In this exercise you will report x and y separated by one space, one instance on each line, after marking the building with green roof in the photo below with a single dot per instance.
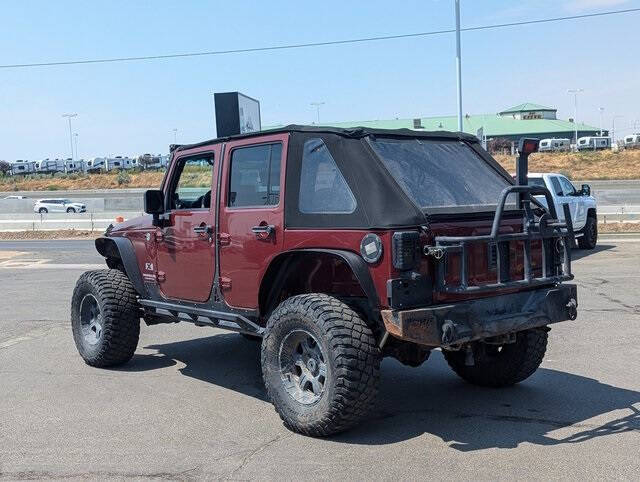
524 120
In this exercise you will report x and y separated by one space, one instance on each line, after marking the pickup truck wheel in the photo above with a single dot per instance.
590 237
320 365
501 365
105 318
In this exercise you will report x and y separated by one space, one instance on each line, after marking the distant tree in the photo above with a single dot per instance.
4 167
499 145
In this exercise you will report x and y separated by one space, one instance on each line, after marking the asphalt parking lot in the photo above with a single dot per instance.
191 402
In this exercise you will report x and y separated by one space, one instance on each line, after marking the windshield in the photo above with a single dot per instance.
440 173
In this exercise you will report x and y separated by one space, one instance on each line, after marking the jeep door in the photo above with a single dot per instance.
185 254
251 215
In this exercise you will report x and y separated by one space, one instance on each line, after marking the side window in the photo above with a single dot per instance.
567 187
191 183
323 189
255 176
557 190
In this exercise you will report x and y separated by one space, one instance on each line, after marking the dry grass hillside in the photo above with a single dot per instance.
582 166
578 166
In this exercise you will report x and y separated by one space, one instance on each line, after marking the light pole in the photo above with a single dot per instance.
575 93
458 65
69 116
75 138
601 109
175 136
317 106
613 127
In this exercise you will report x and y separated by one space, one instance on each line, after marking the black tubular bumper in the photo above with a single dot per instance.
452 324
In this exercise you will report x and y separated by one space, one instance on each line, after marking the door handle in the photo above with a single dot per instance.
203 229
263 231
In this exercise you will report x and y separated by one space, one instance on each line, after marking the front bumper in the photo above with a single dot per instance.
452 324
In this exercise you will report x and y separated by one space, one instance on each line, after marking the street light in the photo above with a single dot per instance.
601 109
69 116
75 138
175 136
613 127
575 93
317 106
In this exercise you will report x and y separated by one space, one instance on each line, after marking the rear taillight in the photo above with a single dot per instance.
404 249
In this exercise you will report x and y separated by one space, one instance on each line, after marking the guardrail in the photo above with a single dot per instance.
54 221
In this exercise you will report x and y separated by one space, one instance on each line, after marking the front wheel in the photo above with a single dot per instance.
320 365
590 237
501 365
105 318
71 210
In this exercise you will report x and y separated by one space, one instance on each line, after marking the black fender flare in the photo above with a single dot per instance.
357 264
122 249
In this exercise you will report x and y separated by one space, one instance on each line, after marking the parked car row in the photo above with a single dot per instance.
96 164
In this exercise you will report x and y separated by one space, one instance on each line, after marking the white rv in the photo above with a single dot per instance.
632 141
152 161
22 167
119 163
73 166
593 143
95 164
50 166
548 145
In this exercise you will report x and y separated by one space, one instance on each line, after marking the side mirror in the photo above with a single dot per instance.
154 201
586 190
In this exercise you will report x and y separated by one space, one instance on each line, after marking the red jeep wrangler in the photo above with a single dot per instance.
338 247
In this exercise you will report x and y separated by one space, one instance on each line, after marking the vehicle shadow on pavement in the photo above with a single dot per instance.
577 254
550 408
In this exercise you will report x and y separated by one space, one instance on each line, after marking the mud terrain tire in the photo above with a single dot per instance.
105 318
501 366
346 366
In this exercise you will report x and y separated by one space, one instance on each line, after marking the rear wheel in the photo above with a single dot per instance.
590 237
43 210
320 364
501 365
105 318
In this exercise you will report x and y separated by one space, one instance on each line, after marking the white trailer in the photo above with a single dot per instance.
632 141
554 144
74 166
593 143
118 163
50 166
95 164
152 161
22 167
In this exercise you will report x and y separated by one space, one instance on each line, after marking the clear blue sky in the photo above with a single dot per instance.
133 107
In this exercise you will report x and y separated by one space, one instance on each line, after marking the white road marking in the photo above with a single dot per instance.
14 341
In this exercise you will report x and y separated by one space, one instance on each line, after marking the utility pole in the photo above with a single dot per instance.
69 116
458 65
575 93
613 127
317 106
601 109
75 138
175 136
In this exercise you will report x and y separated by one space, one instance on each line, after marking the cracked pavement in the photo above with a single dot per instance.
191 405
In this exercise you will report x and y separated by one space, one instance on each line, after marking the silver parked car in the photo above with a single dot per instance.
58 206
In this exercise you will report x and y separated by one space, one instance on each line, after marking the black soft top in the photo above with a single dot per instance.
381 202
352 132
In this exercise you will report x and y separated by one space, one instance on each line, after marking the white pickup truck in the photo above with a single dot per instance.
581 205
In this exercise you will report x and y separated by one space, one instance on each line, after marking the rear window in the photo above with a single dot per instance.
439 174
536 181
